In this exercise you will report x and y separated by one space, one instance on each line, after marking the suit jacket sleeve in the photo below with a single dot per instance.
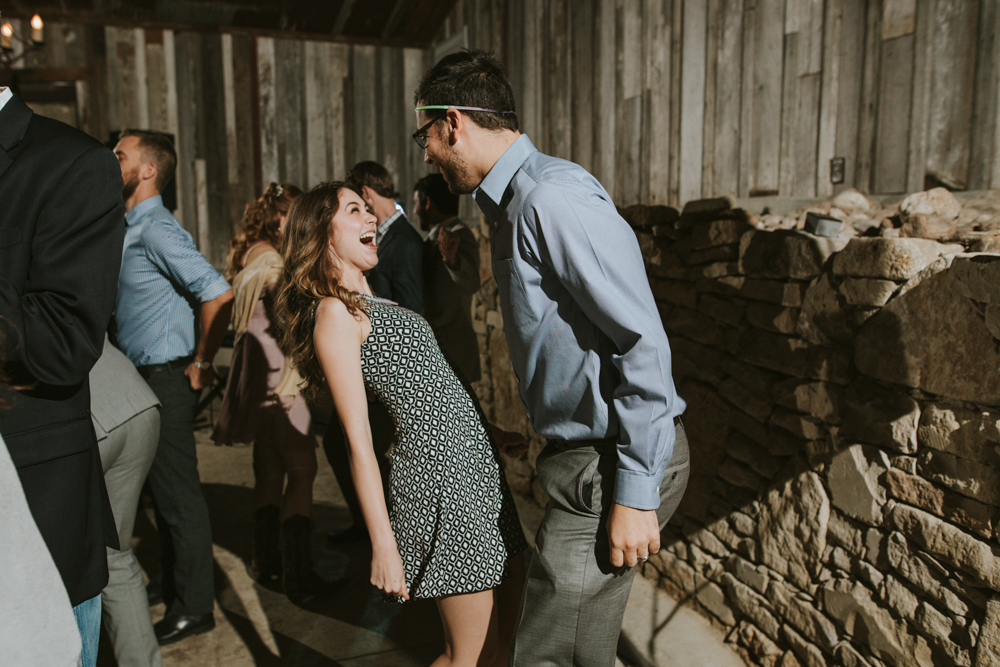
465 275
408 272
62 313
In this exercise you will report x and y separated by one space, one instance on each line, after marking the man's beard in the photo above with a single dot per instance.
131 183
458 175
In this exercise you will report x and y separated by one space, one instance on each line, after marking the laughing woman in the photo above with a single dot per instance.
452 531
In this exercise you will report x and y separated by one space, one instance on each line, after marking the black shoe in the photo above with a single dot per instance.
175 627
356 533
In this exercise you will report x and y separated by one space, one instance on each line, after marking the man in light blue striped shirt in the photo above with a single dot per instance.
162 275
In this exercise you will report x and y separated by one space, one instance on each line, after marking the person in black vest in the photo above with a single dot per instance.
62 224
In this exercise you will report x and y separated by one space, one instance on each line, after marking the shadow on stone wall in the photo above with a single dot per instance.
843 414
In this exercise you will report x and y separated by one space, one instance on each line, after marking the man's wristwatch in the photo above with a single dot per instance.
202 365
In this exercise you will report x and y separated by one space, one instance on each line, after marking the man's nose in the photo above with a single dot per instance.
427 159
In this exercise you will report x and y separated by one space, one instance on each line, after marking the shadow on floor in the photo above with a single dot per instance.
412 631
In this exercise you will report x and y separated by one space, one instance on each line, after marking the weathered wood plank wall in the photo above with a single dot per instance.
670 100
663 100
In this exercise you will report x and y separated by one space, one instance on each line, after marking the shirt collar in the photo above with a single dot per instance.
5 95
142 208
448 224
383 226
490 192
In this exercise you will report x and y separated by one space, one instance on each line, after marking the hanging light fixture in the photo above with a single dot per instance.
8 38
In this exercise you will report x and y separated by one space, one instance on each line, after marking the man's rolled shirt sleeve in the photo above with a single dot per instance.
173 252
597 259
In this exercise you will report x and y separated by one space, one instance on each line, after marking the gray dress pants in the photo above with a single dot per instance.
182 519
126 455
574 599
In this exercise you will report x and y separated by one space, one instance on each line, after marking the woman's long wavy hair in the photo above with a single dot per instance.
261 222
308 277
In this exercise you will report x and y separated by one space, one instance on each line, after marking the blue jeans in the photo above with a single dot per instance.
88 619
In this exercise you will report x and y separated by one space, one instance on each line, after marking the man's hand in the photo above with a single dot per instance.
448 245
199 377
633 534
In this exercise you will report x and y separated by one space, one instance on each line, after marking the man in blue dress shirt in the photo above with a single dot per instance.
591 357
162 276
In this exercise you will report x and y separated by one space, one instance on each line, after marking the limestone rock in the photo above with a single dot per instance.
842 532
913 567
645 217
966 512
968 434
990 244
794 356
867 291
825 316
975 480
889 259
778 292
785 254
798 424
938 207
752 605
748 452
803 615
880 417
713 599
953 545
819 399
729 311
756 578
938 628
849 657
988 645
807 652
745 399
900 598
854 481
851 604
772 317
793 528
852 202
713 233
765 652
777 441
927 227
722 253
678 292
931 340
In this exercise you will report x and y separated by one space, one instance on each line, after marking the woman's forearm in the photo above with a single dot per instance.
368 482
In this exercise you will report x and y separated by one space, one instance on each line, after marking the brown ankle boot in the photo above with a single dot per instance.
301 583
266 560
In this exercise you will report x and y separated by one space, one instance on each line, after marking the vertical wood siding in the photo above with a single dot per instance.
664 101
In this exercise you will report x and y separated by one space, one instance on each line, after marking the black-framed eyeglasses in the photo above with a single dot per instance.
420 136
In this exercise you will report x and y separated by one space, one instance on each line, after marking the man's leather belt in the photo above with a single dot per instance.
173 365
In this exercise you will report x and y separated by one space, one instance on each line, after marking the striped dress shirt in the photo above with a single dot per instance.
162 275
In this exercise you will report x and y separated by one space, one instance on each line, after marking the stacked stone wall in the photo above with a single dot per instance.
844 416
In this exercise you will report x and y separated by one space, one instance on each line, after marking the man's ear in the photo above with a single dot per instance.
367 194
455 123
149 171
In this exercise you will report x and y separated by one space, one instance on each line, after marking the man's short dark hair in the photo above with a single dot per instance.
470 79
374 175
435 187
157 148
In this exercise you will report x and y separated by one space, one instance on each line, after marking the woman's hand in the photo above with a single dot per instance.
387 572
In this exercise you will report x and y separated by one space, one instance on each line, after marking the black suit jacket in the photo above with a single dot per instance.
399 274
62 225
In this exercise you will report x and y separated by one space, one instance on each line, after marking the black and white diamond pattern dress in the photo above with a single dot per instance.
452 513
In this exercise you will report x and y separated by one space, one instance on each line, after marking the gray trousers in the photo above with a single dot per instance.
126 455
182 519
574 599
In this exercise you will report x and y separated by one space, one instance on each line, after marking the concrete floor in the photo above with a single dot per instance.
256 626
